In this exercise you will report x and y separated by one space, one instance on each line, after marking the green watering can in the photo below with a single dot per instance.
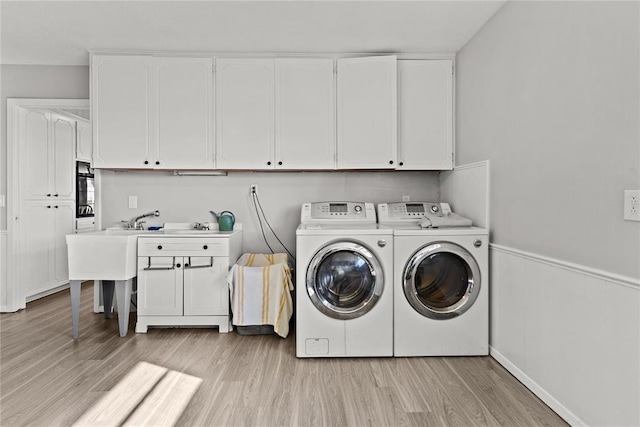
225 220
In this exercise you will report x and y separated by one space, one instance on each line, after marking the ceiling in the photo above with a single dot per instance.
63 32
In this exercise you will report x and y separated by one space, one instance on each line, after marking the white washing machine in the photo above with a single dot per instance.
441 281
344 276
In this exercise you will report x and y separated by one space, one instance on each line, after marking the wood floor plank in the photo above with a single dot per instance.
117 405
47 378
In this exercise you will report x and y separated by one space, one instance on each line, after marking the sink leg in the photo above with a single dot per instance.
123 298
107 297
74 286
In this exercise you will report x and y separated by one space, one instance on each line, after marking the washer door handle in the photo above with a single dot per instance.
382 243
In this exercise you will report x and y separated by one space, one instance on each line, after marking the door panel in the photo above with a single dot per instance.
367 128
36 231
160 285
245 113
205 288
184 112
305 114
63 141
35 168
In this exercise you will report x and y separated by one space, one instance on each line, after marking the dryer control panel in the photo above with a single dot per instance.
349 212
410 211
425 214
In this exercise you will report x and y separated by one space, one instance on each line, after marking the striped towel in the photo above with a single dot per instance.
261 291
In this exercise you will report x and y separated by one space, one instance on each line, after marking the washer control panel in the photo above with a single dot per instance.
359 212
410 211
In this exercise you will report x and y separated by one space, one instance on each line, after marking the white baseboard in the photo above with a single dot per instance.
47 292
536 389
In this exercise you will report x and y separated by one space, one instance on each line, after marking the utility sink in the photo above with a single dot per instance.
103 255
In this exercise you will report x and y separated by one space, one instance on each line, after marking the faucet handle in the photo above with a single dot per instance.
140 227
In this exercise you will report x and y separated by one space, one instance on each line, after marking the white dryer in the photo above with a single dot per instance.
441 281
344 273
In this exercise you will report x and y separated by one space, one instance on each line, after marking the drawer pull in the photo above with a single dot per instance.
159 247
149 268
205 247
191 267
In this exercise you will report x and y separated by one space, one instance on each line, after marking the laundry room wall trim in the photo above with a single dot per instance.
570 333
576 268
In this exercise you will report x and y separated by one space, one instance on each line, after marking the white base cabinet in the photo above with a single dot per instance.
182 280
43 246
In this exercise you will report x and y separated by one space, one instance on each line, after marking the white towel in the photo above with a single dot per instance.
261 292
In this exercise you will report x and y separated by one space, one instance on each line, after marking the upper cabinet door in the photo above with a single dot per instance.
244 113
120 111
305 114
84 141
367 122
425 114
63 139
183 119
35 167
46 156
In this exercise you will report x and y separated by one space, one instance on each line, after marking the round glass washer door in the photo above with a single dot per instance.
344 280
441 280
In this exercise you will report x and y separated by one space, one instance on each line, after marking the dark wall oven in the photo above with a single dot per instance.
85 190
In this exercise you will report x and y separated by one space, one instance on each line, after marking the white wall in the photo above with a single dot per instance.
188 198
549 93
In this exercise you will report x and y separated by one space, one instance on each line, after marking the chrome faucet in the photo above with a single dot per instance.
136 224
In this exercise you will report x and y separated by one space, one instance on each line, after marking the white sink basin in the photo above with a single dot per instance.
103 255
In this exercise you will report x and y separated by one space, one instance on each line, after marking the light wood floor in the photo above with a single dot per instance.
47 378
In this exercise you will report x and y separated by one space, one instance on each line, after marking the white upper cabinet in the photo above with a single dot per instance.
245 113
305 114
275 113
183 113
47 155
152 112
120 111
84 140
366 111
425 114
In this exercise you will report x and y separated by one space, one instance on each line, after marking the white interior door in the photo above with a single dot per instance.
367 116
305 114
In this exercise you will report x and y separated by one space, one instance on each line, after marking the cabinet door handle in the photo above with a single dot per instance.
48 206
56 206
390 162
269 163
401 163
205 247
146 162
279 163
159 247
157 162
191 267
149 268
49 195
55 195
